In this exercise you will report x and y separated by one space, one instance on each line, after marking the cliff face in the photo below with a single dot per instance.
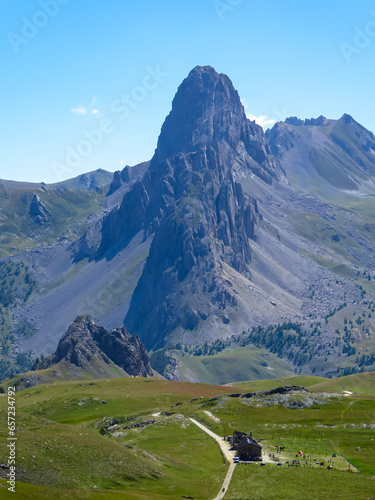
207 110
192 205
89 347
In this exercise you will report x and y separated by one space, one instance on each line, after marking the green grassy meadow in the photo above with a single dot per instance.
233 365
131 438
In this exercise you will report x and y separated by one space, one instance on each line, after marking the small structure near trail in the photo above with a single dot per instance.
247 449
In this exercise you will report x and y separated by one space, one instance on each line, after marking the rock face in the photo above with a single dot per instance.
207 111
86 345
192 205
128 174
37 211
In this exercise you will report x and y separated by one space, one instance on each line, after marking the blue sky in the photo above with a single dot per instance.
86 84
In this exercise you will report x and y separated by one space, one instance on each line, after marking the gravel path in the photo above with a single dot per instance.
224 445
229 455
226 482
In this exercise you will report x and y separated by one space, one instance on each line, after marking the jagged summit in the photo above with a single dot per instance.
206 106
347 118
207 111
293 120
208 243
190 203
92 349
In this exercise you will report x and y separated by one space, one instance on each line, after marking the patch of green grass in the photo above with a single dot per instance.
124 396
363 205
233 365
341 269
283 483
26 491
192 455
361 384
53 454
326 233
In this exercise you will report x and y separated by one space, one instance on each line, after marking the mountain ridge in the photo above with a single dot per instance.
330 156
213 240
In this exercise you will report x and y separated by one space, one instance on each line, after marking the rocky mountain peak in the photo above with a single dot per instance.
207 111
347 118
206 107
87 345
192 205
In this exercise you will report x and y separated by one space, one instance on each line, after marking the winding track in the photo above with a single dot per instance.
229 455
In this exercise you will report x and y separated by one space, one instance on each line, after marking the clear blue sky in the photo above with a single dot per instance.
66 71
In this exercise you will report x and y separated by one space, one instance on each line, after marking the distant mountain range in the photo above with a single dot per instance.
326 156
90 180
227 231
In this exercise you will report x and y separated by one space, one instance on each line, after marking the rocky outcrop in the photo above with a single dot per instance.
87 345
37 211
128 174
287 389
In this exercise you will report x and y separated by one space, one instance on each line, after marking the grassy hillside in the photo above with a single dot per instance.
360 384
312 484
131 438
95 369
234 365
60 444
68 211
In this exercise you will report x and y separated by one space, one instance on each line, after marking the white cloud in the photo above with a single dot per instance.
83 110
261 120
79 110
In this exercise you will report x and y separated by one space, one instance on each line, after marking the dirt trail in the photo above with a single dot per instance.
224 445
226 482
229 455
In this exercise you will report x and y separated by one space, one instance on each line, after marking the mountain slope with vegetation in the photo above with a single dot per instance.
214 238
